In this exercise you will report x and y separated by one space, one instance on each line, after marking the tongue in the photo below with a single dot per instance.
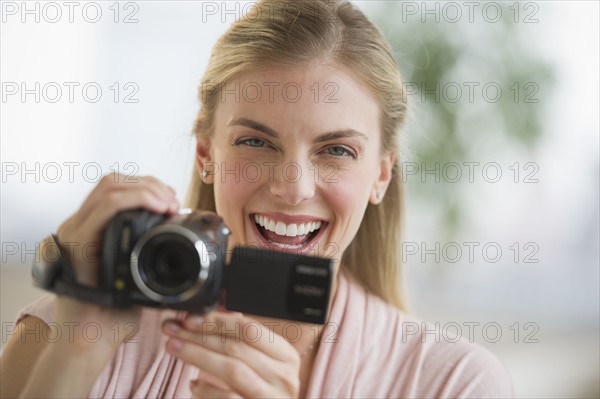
271 236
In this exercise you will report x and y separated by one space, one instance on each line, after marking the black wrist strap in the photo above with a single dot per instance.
82 292
52 271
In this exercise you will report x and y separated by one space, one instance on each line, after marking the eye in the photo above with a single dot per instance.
252 142
340 151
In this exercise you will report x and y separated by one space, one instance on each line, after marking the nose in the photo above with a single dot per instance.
293 182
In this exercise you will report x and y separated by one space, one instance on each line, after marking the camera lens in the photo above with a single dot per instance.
169 264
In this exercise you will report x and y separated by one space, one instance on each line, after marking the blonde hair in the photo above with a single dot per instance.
301 32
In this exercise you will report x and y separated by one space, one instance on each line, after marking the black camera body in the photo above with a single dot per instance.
182 262
158 261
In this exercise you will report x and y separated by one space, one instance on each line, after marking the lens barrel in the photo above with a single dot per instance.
170 263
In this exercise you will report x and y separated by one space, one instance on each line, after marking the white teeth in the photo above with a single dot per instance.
301 229
280 228
290 230
286 246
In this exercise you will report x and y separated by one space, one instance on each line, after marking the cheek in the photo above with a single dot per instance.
236 182
348 197
347 201
354 180
231 195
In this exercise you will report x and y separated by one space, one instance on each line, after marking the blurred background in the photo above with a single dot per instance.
500 153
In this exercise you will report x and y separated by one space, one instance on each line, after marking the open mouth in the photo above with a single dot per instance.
295 237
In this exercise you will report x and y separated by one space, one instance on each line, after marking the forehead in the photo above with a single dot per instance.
304 101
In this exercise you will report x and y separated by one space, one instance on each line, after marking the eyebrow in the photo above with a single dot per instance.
272 133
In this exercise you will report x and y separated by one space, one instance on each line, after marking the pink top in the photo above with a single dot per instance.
373 351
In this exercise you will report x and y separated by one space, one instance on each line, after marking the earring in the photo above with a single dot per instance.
204 174
379 195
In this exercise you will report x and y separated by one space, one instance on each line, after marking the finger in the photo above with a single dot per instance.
201 389
159 188
106 184
269 369
116 182
119 200
212 380
90 228
237 375
270 344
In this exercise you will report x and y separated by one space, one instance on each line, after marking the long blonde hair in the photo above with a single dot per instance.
300 32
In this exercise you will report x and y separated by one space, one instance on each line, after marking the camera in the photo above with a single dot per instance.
182 262
154 260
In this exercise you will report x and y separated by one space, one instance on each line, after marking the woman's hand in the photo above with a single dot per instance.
81 238
81 234
236 355
69 364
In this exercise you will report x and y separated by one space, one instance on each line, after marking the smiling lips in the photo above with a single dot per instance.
286 236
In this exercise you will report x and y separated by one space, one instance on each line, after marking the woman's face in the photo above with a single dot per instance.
295 159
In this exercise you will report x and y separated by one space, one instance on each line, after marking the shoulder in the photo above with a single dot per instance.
26 340
429 361
42 309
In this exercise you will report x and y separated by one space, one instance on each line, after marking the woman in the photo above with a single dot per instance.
296 149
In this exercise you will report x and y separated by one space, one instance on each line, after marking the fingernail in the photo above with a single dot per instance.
229 313
174 344
194 321
173 327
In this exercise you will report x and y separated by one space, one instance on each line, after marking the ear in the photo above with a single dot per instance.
381 183
206 167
